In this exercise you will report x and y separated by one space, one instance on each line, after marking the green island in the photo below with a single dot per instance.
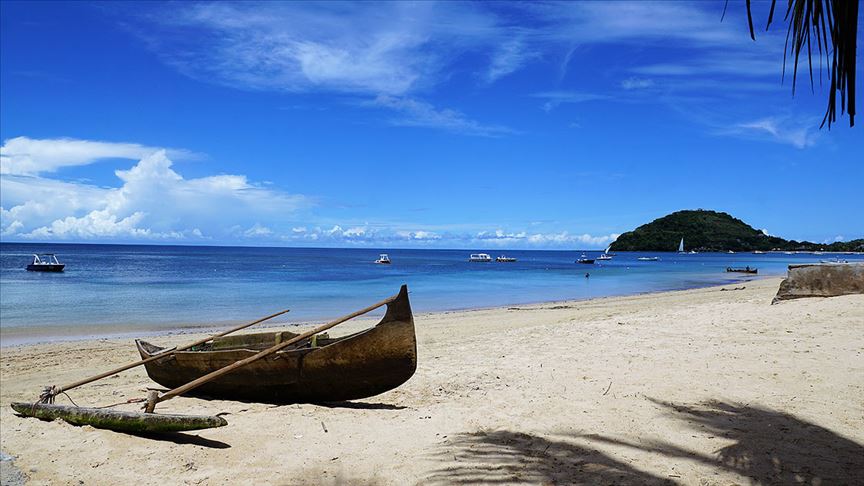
705 230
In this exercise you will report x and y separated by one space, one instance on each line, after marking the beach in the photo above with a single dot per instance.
708 386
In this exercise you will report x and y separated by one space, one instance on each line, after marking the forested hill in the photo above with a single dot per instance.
705 230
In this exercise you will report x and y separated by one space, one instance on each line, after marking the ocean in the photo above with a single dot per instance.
111 290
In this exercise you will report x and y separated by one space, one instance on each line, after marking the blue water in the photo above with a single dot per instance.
158 287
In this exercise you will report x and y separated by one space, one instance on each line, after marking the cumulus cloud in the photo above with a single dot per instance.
152 202
27 156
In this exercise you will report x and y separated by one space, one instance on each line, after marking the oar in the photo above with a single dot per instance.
153 397
51 392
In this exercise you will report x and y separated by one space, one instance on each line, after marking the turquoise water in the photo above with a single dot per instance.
160 287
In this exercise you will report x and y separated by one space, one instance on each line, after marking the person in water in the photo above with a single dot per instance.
587 275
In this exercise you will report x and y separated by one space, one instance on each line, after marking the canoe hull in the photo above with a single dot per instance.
116 420
357 366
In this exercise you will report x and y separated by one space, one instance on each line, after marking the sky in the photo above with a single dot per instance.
474 125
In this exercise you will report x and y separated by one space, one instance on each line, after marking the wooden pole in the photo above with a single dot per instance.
263 354
168 352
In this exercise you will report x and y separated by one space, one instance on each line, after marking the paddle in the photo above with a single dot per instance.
50 392
153 397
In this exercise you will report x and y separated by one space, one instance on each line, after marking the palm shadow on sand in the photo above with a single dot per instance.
506 457
770 447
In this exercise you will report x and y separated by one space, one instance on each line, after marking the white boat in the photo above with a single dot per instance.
505 259
730 251
383 259
836 260
648 259
758 252
46 263
479 257
605 255
681 246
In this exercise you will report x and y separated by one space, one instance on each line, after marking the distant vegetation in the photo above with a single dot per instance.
704 230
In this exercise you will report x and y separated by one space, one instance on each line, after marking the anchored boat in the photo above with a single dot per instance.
742 270
45 263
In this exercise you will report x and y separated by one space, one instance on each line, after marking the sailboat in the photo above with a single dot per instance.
681 246
605 255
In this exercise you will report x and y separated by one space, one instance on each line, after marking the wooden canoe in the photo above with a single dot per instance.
102 418
319 369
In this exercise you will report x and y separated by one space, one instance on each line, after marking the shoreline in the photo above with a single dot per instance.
17 336
703 386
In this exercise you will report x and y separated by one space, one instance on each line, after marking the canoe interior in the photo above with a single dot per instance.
319 369
118 420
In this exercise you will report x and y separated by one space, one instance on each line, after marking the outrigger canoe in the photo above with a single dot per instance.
315 369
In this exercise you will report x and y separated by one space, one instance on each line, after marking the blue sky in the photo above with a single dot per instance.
459 125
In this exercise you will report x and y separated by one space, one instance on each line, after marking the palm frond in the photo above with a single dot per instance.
834 25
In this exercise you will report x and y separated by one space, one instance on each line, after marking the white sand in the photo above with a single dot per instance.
701 387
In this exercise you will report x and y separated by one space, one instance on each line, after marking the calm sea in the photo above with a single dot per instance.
109 289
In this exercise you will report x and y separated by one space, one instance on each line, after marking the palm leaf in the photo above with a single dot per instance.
834 25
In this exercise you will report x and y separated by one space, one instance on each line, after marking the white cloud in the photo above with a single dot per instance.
257 230
507 59
557 98
386 48
417 113
778 129
418 235
152 202
636 83
27 156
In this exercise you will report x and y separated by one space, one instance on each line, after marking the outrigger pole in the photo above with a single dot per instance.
50 392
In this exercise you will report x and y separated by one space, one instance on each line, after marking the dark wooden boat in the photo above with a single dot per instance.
742 270
317 369
46 263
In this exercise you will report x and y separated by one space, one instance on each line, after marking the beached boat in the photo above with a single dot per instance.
315 369
505 259
479 257
648 259
742 270
383 259
585 260
46 263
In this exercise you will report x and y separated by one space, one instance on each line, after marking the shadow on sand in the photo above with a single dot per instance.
769 447
183 439
505 457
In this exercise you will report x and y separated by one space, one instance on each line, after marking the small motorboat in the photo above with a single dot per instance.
742 270
836 260
479 257
46 263
648 259
505 259
383 259
585 260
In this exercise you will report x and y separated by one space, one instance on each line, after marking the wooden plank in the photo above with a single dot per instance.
118 420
